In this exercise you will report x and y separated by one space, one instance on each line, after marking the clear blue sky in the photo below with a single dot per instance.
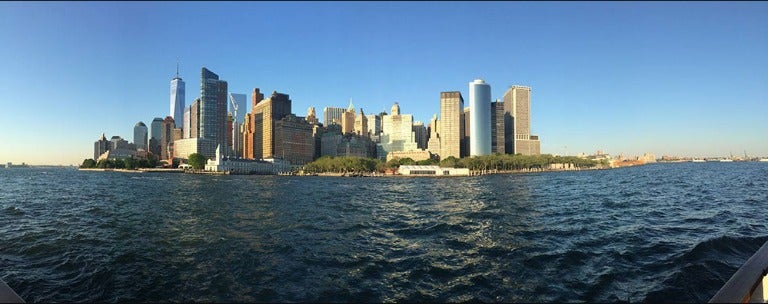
670 78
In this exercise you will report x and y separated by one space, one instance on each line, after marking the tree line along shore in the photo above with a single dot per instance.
358 166
497 163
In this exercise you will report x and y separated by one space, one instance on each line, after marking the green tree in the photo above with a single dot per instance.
105 163
88 163
197 161
450 162
119 163
427 162
130 163
175 163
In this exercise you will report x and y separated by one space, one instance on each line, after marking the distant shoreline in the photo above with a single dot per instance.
139 170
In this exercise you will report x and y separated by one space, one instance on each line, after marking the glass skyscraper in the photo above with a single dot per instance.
140 136
155 130
177 100
213 107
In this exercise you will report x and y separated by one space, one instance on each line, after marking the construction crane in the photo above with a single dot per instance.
234 106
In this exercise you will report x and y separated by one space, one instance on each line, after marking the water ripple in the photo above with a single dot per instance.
664 232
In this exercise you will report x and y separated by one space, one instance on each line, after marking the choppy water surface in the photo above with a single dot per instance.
662 232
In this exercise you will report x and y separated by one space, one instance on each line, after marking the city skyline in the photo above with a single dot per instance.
681 79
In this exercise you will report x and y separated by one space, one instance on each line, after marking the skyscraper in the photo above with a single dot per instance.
480 113
264 115
374 124
155 132
140 135
187 123
397 133
177 99
213 108
166 138
332 115
420 134
465 126
497 127
517 109
433 143
348 119
450 131
252 132
194 119
361 124
100 146
293 140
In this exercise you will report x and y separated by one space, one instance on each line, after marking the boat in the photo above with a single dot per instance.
697 160
7 295
747 285
726 160
765 160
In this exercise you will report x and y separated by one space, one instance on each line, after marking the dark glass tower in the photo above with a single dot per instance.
213 107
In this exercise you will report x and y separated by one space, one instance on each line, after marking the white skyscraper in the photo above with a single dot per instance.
177 99
480 118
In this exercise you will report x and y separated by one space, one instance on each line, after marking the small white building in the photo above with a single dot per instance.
245 166
432 171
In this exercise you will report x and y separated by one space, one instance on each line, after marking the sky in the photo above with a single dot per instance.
668 78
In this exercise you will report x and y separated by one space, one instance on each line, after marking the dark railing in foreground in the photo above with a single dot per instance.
749 284
7 295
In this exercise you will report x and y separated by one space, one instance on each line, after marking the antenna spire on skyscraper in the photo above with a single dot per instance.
177 67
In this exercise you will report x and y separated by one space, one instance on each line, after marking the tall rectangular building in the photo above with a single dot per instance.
465 130
421 135
252 133
213 108
451 105
517 109
100 146
155 130
185 126
194 119
361 124
294 141
397 133
348 122
497 127
433 138
374 124
332 115
166 138
265 114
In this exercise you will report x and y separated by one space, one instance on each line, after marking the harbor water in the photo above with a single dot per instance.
657 233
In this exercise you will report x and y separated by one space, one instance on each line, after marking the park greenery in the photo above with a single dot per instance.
197 161
126 163
498 162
